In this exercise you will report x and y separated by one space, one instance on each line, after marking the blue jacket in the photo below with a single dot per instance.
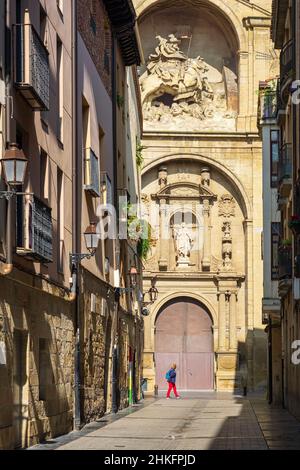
172 375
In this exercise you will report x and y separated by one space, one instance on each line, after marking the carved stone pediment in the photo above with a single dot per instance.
185 190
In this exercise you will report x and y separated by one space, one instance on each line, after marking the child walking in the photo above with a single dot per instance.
171 381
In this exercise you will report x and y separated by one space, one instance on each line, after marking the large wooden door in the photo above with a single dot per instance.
183 335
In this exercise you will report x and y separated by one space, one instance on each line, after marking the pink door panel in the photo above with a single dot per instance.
183 335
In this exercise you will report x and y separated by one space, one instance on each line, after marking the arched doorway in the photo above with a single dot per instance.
184 335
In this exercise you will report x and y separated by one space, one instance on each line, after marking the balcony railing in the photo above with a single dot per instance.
91 172
269 105
287 59
106 189
285 163
286 68
34 229
31 66
285 266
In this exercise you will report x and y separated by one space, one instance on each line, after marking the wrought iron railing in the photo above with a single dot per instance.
31 66
34 228
285 266
285 163
286 61
91 172
269 105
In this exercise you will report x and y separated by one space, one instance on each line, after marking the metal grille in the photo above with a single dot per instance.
34 229
285 162
32 74
39 67
92 173
42 230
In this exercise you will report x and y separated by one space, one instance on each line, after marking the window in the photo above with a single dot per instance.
44 177
275 238
60 219
107 47
60 6
60 94
274 143
43 26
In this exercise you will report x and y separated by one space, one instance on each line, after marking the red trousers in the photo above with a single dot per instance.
172 386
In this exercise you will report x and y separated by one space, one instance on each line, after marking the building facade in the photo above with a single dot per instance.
270 134
202 190
62 363
285 34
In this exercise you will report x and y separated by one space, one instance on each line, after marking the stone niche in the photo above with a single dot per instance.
189 81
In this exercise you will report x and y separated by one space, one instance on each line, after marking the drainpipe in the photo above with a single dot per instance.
8 266
75 222
114 384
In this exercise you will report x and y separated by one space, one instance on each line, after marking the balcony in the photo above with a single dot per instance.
286 69
285 170
31 67
285 268
34 229
269 105
91 173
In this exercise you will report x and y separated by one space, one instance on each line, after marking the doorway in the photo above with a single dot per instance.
184 335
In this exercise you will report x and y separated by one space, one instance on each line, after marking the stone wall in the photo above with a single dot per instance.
96 338
95 30
38 387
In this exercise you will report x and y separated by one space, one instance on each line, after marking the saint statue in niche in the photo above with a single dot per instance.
184 241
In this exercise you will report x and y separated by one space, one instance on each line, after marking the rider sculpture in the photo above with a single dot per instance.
170 71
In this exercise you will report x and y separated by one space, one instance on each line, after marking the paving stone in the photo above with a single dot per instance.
208 421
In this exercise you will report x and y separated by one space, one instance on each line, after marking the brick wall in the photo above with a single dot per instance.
95 30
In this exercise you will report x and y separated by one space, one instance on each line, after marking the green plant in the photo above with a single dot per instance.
139 155
120 100
144 244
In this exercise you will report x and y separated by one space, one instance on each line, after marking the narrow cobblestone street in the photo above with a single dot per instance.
204 421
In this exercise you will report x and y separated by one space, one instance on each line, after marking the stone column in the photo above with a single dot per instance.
164 249
222 321
232 322
207 236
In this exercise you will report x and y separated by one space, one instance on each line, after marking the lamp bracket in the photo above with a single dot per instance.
75 258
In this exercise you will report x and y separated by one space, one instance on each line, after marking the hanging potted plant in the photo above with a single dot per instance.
294 224
286 244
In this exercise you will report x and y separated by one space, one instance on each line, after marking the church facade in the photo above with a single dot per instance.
202 190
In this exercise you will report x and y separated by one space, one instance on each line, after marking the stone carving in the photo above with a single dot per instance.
205 176
162 176
226 206
216 264
179 90
227 246
184 241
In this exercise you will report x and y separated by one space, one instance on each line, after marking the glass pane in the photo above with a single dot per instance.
9 170
20 171
275 152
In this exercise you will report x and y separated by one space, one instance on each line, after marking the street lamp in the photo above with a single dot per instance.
14 164
91 240
153 294
133 277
